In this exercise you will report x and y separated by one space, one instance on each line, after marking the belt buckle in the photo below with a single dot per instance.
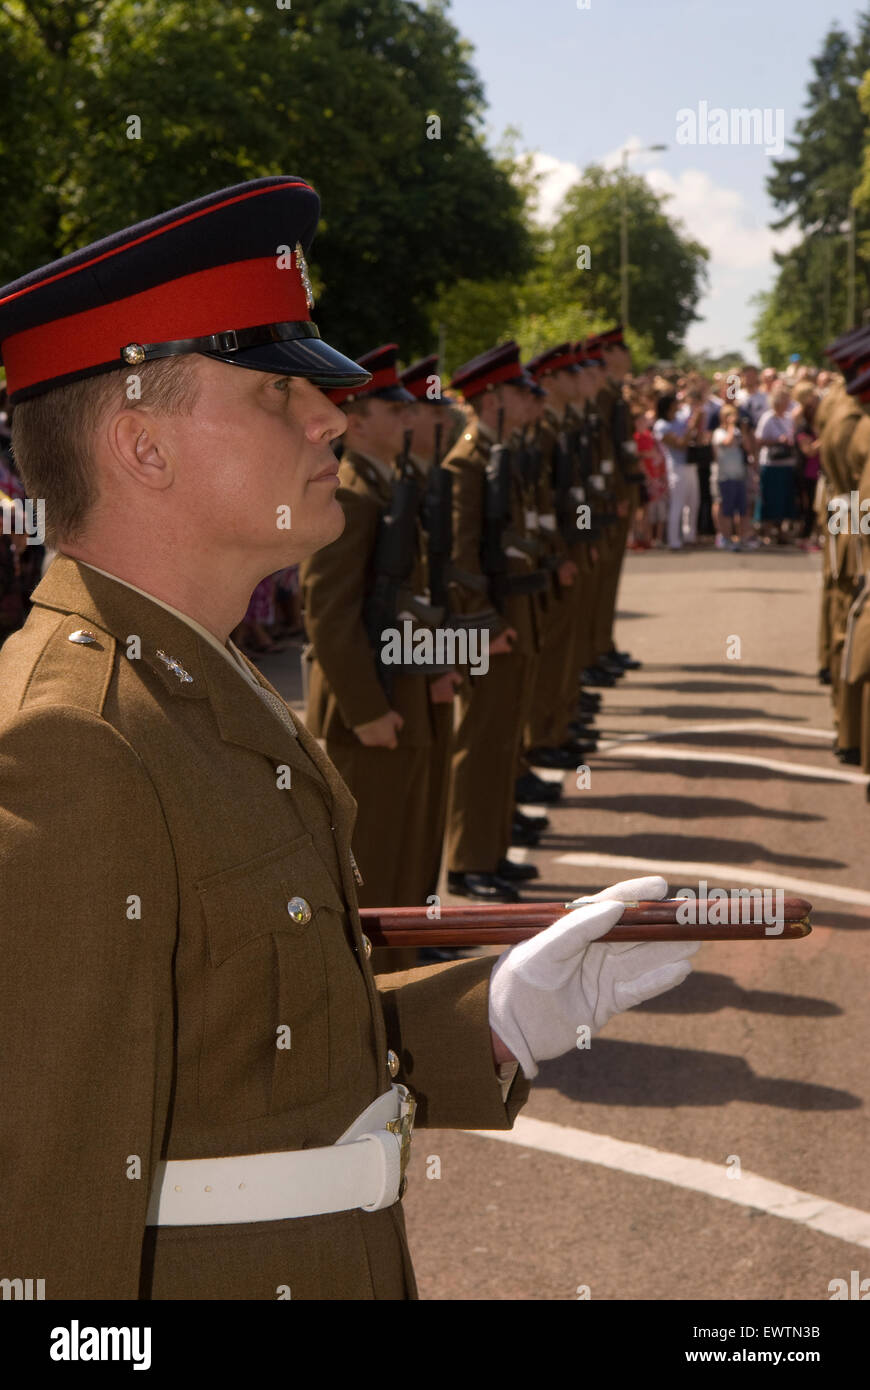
402 1127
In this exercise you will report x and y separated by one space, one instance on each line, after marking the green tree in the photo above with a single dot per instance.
806 306
377 104
814 189
667 271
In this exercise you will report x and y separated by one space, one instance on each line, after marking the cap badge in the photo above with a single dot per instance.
175 667
302 267
133 354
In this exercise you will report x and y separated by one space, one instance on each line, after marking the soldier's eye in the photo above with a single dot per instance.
282 383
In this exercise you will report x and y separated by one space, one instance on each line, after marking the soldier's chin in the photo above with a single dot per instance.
331 523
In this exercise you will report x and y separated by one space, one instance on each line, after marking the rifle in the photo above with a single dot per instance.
496 513
495 924
436 515
496 519
394 555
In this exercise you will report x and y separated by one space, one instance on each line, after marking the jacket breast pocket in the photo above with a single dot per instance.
282 1020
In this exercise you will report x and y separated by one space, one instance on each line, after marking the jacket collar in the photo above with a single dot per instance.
142 629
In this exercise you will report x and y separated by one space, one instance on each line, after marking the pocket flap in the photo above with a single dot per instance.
250 900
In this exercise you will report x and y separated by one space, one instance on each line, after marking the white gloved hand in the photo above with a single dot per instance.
543 990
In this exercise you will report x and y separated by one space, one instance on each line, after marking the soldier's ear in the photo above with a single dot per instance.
137 448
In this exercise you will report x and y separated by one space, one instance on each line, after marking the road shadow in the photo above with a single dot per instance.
737 738
646 1075
707 713
704 992
841 921
700 768
683 808
692 848
701 687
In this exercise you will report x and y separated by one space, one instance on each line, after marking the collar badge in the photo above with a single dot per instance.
175 667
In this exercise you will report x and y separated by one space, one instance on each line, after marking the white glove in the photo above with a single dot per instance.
543 990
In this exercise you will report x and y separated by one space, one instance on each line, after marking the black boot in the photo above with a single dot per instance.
488 887
513 872
536 790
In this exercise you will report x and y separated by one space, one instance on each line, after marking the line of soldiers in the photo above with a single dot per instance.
843 513
501 525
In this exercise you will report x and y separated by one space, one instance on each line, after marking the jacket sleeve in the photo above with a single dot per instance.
437 1020
334 588
88 923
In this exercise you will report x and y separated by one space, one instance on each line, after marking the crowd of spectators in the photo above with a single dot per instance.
731 460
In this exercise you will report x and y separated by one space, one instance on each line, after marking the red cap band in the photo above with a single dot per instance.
242 295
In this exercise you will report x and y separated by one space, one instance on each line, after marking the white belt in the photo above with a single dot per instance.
364 1168
531 521
547 521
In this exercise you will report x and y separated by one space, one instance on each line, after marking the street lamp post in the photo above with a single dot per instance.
623 225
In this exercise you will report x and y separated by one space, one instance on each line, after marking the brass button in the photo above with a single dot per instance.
367 946
393 1063
80 636
300 911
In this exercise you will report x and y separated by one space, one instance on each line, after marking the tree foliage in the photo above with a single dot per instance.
815 189
341 93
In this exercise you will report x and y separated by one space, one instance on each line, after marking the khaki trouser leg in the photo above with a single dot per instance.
610 586
547 719
485 751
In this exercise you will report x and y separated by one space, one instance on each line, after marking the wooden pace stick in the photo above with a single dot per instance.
503 924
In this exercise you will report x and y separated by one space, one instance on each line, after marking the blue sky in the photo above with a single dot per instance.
580 83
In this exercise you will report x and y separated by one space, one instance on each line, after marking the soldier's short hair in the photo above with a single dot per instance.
53 433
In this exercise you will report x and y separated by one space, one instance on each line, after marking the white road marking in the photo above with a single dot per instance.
687 755
749 1190
692 870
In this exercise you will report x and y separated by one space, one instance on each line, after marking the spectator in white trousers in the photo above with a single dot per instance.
673 428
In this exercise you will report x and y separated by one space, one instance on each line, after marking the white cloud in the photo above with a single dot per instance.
557 177
721 219
740 242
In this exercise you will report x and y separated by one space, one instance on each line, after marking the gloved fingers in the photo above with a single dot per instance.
628 993
552 956
638 957
650 887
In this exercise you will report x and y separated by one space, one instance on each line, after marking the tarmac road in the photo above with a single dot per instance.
717 765
757 1062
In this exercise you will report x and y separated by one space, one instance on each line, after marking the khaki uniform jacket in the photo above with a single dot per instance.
148 850
468 590
344 686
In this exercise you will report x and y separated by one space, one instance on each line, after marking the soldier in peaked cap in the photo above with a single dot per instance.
199 988
843 446
555 696
493 581
617 459
379 721
436 424
198 1070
